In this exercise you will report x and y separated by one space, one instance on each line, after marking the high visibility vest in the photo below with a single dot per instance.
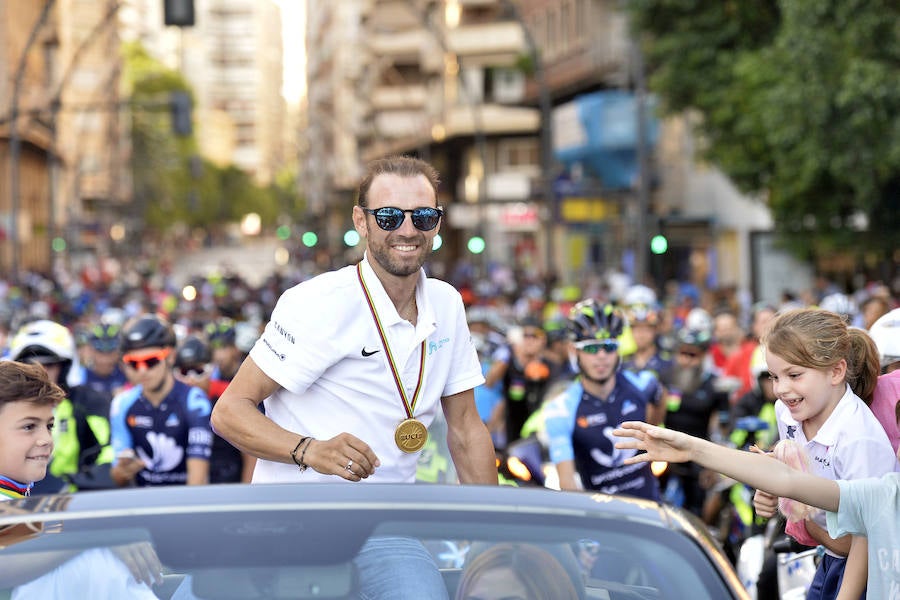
69 433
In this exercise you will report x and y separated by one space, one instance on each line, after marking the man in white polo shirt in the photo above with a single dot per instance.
355 363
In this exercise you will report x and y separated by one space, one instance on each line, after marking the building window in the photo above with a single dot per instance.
516 153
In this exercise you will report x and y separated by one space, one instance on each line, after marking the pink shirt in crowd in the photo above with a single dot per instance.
884 403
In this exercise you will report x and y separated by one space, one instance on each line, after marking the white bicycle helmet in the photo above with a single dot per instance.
886 334
841 304
42 341
639 295
47 342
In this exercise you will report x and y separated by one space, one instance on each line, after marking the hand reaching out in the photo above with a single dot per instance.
656 442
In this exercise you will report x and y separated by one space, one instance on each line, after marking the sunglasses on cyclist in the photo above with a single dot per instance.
148 361
594 347
195 370
391 218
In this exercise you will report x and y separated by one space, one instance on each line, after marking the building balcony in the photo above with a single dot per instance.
462 120
401 123
394 14
399 97
402 44
494 40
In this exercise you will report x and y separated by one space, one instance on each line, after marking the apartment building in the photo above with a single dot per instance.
471 85
28 216
232 57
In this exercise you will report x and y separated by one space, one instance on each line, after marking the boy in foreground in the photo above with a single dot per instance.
27 400
864 507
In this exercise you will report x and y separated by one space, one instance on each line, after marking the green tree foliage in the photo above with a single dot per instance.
172 183
799 101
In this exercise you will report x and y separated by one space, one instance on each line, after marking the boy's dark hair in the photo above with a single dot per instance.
21 382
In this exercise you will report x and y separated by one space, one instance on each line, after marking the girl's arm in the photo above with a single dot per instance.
855 571
757 471
840 546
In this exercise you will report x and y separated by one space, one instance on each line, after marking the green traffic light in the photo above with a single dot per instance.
351 238
476 244
283 232
309 239
58 244
659 244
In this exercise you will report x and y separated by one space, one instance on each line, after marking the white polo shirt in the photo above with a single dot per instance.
851 444
322 346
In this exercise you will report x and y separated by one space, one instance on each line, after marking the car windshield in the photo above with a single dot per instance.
310 549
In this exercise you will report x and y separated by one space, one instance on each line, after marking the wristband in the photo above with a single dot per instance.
303 465
300 462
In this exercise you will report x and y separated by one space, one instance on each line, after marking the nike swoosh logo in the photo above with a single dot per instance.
368 352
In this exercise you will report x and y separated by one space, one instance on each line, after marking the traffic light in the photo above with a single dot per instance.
659 244
476 244
179 13
180 107
309 239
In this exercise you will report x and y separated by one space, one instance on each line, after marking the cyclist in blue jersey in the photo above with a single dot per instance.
193 366
580 421
103 372
160 428
644 320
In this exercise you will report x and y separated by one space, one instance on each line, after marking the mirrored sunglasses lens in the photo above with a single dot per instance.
389 219
608 347
425 219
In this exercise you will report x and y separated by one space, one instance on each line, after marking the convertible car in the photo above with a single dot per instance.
302 542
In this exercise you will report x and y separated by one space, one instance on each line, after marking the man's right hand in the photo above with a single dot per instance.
344 455
766 505
126 469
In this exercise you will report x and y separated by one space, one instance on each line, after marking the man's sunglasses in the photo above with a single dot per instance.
592 347
195 370
390 218
147 361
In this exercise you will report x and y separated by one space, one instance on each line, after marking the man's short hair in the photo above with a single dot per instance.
403 166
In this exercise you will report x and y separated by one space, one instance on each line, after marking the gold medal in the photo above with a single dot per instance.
410 435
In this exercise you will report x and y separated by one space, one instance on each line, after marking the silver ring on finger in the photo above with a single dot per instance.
349 465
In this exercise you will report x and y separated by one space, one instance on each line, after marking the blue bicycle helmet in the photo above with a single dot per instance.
105 337
588 320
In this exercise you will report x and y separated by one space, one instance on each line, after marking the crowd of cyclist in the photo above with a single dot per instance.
688 360
566 374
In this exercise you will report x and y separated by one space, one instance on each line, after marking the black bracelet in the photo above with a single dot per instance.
299 463
303 465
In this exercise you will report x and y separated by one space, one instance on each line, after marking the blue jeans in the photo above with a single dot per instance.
398 568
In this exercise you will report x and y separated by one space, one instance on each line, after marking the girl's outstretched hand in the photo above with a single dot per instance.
656 442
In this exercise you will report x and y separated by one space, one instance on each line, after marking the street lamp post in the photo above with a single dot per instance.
643 182
546 136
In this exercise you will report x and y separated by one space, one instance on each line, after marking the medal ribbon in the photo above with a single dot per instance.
409 406
13 489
